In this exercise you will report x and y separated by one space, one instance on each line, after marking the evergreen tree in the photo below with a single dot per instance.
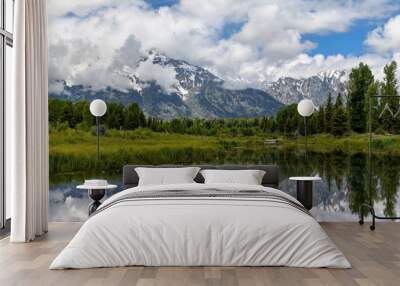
373 90
156 124
115 116
82 113
312 127
55 111
328 114
77 113
68 113
390 121
359 81
321 120
288 119
339 118
134 117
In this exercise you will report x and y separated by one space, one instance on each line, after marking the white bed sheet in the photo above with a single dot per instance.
200 232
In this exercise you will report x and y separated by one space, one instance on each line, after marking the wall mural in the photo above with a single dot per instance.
195 82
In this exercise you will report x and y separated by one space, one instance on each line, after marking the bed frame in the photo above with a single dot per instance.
270 179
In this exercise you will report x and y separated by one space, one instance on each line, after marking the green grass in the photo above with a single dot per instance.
75 150
74 141
71 141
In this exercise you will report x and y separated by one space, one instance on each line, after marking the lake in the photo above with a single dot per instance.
345 186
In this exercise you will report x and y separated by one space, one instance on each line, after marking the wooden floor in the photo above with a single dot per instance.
375 257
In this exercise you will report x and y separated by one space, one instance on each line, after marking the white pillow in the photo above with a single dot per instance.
166 176
248 177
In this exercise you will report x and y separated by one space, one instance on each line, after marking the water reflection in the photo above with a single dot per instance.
69 204
345 186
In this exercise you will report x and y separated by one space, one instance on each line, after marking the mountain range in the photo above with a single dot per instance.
290 90
196 92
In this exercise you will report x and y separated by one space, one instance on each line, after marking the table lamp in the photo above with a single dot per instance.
98 108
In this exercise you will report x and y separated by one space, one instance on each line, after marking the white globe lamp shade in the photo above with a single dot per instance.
305 107
98 107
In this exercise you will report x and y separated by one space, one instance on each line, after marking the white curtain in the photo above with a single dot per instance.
27 123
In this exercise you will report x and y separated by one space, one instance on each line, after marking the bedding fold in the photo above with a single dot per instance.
201 225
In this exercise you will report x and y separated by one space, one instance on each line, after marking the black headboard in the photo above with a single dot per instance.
271 178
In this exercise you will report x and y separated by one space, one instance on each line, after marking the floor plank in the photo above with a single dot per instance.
375 257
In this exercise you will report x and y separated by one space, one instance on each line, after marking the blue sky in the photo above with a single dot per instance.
350 42
160 3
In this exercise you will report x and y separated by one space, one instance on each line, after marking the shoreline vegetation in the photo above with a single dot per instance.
73 150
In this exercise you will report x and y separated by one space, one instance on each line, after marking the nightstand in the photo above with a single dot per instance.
96 193
305 190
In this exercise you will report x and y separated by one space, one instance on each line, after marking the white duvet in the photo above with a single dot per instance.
193 231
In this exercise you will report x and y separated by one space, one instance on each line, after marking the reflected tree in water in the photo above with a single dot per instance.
388 171
340 166
358 183
345 176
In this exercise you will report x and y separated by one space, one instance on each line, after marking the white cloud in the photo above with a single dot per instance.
387 38
91 41
56 87
165 76
305 65
128 56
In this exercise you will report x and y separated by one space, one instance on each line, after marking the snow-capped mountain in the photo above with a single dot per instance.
190 79
192 92
165 87
290 90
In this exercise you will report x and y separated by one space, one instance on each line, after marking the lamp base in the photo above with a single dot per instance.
305 193
96 195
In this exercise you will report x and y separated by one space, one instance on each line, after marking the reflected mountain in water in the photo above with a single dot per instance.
345 186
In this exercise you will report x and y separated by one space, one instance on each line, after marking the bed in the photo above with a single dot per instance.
198 224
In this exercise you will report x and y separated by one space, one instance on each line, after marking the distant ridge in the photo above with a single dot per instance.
290 90
196 93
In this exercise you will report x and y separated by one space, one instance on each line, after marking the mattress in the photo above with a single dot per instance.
201 225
